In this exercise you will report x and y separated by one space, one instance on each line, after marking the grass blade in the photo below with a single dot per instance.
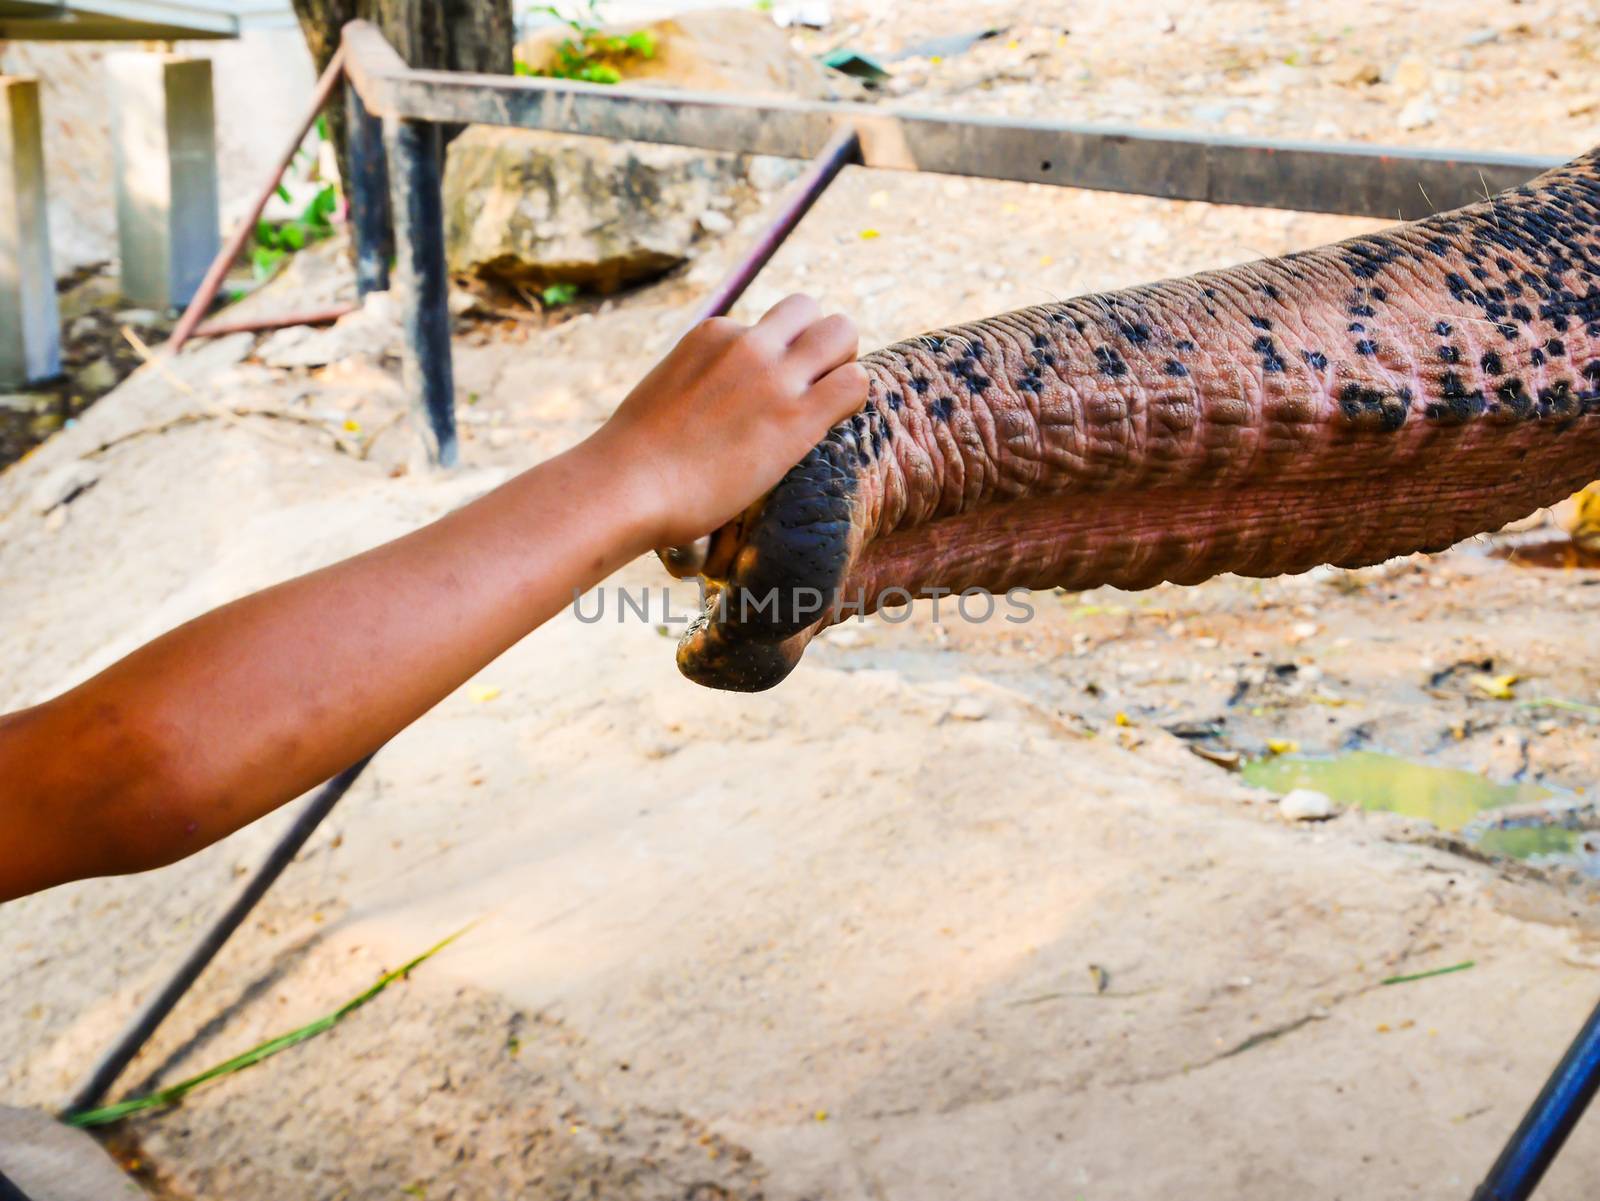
1438 971
175 1092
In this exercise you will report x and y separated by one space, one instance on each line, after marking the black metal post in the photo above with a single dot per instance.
144 1024
1549 1120
415 160
370 221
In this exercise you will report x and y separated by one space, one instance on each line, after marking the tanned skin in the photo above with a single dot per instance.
235 713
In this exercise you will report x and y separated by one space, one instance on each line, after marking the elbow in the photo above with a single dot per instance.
134 800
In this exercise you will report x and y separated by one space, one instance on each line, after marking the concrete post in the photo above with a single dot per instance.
164 143
30 324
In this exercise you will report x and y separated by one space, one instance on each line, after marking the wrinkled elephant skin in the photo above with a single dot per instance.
1388 394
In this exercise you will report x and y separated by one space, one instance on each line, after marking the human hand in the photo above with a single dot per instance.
721 419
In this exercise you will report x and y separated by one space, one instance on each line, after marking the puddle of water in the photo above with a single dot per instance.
1525 842
1445 796
1461 802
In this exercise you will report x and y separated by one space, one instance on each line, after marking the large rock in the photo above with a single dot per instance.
530 209
710 50
533 208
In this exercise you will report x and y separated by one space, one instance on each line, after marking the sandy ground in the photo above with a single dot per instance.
843 940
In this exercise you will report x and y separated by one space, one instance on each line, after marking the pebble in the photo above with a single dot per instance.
714 222
969 708
1412 75
1306 805
1418 114
768 173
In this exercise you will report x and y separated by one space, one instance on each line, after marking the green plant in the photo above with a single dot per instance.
590 54
556 295
176 1092
276 240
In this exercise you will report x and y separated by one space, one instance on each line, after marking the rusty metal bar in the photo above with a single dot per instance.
236 241
251 325
843 149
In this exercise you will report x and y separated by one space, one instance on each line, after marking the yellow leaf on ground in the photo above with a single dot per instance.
1498 688
1282 746
483 693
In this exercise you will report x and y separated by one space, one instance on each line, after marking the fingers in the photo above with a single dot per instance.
787 319
840 392
825 345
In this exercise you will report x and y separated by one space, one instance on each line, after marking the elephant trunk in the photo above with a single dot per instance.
1388 394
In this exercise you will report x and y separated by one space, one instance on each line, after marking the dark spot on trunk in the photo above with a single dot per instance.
1110 361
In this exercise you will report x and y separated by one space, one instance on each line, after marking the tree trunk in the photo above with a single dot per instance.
450 35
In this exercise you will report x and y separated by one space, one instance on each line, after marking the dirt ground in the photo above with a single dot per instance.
952 912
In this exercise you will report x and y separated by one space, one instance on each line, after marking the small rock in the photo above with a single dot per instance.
1481 37
27 402
1306 805
98 377
1355 72
969 708
1412 75
768 172
1418 114
138 317
714 222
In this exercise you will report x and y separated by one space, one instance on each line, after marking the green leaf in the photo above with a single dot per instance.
320 208
167 1096
283 193
294 235
556 295
321 127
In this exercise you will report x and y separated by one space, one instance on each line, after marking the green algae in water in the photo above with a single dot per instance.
1445 796
1524 842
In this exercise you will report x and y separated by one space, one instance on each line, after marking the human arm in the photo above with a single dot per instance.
246 707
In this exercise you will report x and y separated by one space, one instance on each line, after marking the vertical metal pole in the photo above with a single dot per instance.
9 1191
369 195
415 160
138 1031
1551 1118
30 324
